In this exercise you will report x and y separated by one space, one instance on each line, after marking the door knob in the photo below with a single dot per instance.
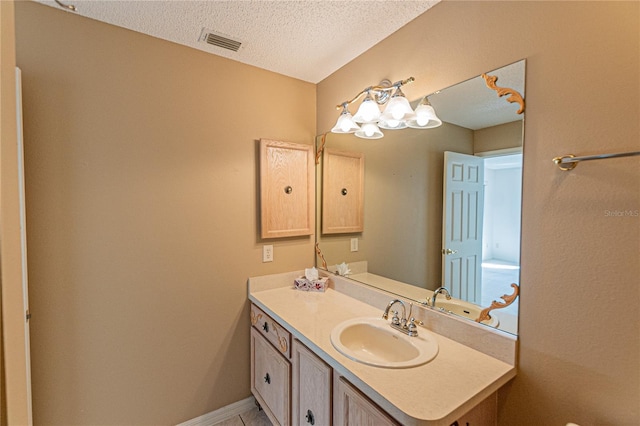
309 417
449 251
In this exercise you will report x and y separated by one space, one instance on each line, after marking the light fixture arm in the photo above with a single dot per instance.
377 90
66 6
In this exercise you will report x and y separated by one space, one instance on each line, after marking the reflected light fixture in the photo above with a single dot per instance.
397 114
425 116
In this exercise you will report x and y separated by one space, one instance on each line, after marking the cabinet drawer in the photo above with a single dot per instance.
270 379
311 383
271 330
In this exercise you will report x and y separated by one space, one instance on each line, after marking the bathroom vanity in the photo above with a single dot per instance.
299 377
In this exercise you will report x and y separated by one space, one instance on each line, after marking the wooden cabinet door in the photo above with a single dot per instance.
352 408
287 189
270 379
311 380
342 192
483 414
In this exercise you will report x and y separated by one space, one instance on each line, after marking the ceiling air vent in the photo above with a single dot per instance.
219 40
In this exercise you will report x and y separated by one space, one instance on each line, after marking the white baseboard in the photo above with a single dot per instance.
222 414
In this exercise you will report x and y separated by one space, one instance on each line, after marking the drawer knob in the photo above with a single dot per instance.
309 417
265 327
267 379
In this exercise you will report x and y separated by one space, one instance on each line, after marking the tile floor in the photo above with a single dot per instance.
253 417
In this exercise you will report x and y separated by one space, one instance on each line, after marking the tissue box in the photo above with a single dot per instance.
304 284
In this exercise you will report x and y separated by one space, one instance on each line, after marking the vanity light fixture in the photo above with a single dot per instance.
397 114
345 123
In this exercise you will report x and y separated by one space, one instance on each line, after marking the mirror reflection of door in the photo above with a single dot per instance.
462 225
481 225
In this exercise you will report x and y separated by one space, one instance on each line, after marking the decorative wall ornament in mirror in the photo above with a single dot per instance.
514 96
421 229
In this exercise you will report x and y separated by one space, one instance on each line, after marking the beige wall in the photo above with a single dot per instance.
579 316
14 409
503 136
141 165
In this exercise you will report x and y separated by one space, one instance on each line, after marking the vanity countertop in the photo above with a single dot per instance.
436 393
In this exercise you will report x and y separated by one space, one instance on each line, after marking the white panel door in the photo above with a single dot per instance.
463 194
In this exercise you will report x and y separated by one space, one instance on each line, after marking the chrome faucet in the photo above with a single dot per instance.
406 324
437 292
395 320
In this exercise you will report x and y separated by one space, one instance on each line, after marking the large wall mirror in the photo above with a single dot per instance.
406 244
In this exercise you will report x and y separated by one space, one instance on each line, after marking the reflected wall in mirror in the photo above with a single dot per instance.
403 248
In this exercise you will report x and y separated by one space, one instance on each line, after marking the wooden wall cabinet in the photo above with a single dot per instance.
342 192
287 189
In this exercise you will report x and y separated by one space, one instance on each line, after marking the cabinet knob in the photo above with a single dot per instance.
309 417
267 379
265 327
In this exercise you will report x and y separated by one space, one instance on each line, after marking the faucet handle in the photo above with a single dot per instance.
395 319
414 322
412 328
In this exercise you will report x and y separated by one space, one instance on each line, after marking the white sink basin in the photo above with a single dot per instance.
465 309
372 341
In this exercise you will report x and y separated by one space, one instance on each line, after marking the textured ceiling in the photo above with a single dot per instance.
304 39
473 105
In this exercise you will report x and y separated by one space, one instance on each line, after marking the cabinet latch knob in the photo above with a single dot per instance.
309 417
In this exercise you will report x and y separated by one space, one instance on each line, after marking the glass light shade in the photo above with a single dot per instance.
368 111
398 107
391 124
425 117
369 131
345 123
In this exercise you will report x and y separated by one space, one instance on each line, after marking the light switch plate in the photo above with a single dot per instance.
354 244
